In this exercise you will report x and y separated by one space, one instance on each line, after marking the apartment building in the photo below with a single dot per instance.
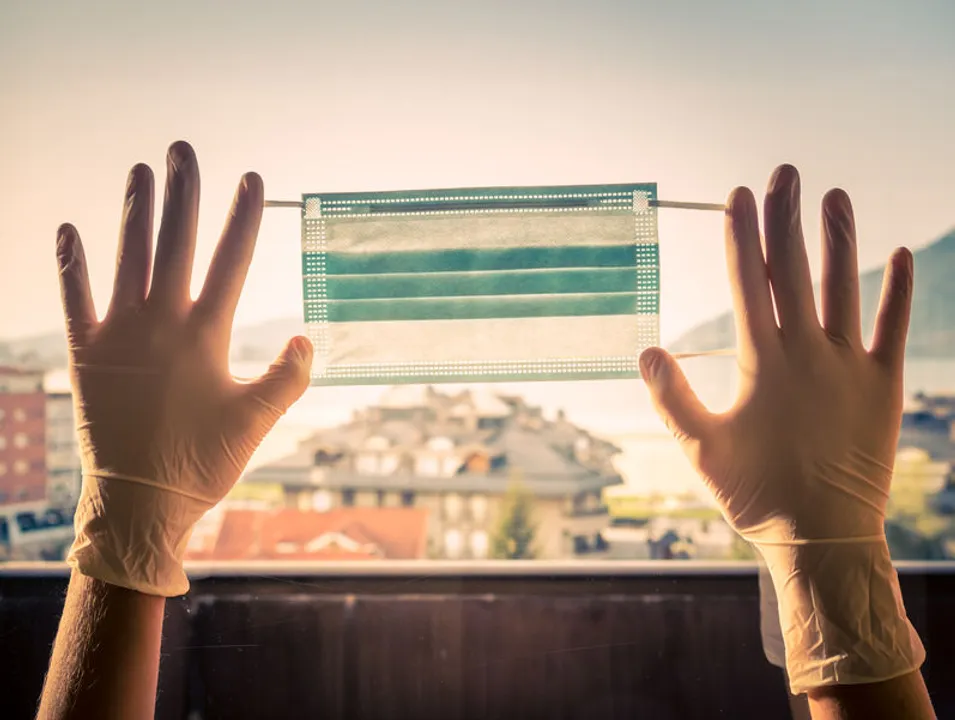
456 455
22 436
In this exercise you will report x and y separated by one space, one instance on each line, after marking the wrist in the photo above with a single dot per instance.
841 613
133 535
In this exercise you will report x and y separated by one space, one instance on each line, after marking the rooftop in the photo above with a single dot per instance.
354 533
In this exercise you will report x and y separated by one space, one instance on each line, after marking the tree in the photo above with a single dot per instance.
742 549
513 537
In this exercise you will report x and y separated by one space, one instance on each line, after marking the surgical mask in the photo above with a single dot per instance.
481 285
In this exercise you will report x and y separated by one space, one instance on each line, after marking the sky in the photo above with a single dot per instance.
698 96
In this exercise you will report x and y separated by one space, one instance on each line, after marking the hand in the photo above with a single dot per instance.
801 465
164 430
811 439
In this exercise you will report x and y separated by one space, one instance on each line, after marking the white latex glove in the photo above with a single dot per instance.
164 430
801 465
770 633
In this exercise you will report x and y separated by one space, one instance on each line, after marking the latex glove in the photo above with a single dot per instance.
801 465
770 633
164 430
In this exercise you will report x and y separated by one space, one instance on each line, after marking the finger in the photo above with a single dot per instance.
840 269
286 379
674 400
134 257
786 258
177 231
749 280
230 264
892 319
78 307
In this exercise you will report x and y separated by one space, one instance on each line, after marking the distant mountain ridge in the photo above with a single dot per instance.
931 333
258 343
932 328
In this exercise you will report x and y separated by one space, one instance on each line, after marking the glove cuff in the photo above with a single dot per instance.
133 535
841 613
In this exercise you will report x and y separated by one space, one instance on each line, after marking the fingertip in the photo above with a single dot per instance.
904 265
837 199
302 347
66 233
66 237
785 178
181 155
740 198
251 189
741 215
140 176
653 362
902 256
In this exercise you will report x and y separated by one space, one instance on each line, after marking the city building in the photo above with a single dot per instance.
62 456
456 455
665 527
22 436
355 533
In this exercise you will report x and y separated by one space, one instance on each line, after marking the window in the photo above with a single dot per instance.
427 465
367 463
453 544
414 96
321 500
452 506
479 544
20 440
478 508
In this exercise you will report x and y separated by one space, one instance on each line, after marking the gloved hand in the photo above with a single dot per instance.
801 465
164 430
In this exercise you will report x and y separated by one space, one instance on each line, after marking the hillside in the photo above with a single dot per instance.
261 342
932 330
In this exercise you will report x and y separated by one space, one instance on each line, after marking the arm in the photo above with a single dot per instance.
106 658
164 431
901 697
802 464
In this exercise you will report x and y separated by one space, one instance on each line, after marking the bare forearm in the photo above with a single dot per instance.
902 697
106 656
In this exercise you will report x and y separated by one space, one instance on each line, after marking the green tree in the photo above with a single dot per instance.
742 549
513 538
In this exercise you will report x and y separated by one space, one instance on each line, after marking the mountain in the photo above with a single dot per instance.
261 342
931 333
932 328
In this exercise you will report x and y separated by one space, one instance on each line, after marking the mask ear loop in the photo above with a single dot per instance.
673 204
705 353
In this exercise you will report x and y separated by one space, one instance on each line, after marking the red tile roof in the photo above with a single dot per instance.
354 533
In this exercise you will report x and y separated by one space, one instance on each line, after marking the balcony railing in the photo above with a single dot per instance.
453 641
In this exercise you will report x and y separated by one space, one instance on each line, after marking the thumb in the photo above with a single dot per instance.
287 378
674 400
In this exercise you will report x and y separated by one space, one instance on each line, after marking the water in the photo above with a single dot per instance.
619 410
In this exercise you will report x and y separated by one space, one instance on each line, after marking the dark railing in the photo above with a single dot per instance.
450 641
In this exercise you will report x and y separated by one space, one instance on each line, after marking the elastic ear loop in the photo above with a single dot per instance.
674 204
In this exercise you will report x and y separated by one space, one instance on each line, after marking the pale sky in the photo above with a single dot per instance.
697 96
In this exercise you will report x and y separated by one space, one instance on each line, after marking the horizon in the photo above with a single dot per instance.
334 97
59 331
